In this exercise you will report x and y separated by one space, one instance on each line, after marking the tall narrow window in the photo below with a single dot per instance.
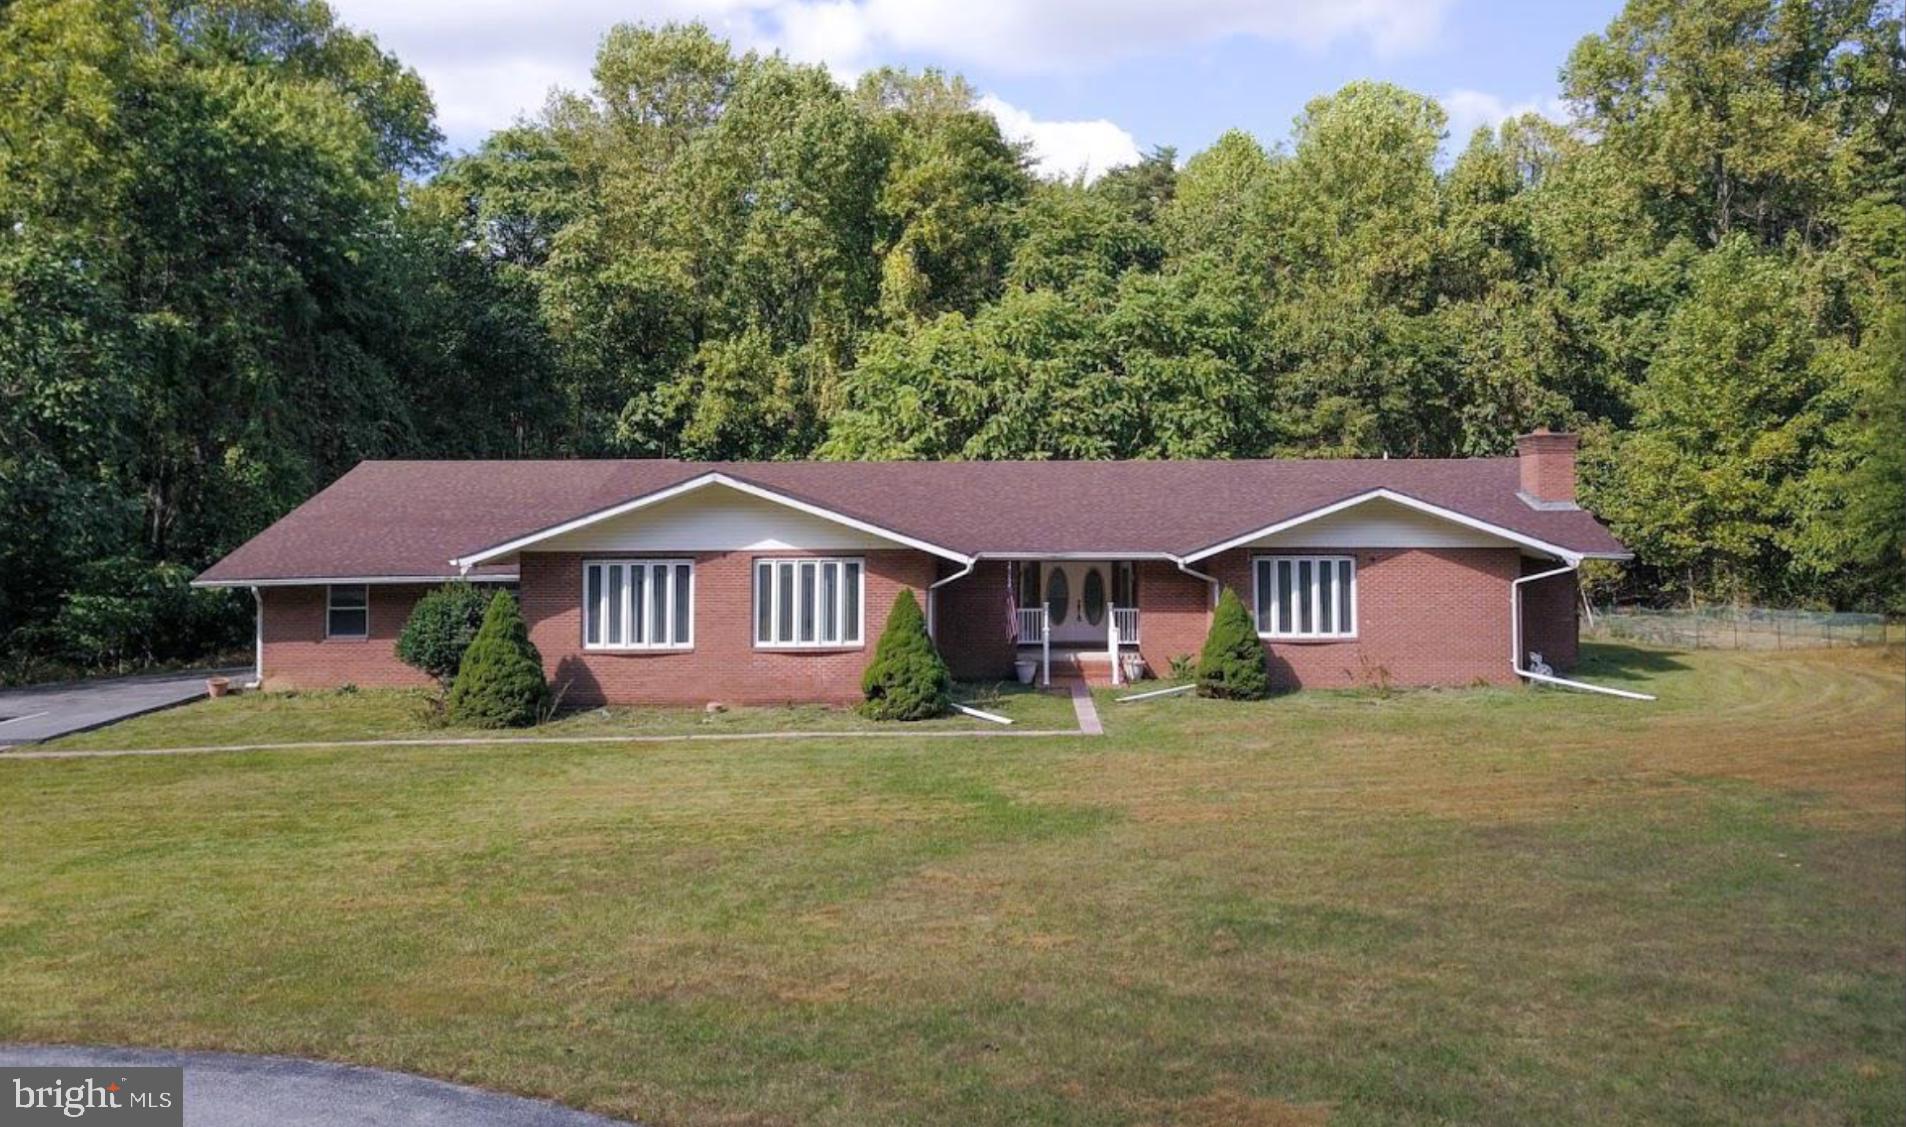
1305 596
684 613
807 603
637 604
1029 586
347 611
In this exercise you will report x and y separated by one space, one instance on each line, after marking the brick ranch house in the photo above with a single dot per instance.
660 581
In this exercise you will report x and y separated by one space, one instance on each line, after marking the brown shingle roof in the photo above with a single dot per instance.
412 518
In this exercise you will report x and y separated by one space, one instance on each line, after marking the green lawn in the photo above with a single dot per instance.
258 718
1478 906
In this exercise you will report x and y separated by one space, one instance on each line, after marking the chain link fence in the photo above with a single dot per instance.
1741 628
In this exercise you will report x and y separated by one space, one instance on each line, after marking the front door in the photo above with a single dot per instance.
1076 600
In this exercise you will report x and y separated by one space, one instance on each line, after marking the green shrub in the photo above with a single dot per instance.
906 680
1232 666
500 683
441 627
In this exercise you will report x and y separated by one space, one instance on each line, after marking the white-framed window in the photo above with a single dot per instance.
1305 596
638 604
808 602
347 611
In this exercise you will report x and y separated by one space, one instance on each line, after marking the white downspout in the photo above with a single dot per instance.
1515 634
258 638
933 616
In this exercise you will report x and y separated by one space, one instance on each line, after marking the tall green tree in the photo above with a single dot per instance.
198 278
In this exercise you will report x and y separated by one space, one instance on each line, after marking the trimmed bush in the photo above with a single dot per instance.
906 680
500 683
441 627
1232 666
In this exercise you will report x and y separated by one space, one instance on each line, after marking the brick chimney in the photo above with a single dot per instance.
1547 460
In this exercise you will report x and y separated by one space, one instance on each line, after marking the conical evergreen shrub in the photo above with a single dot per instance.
500 683
1232 666
906 680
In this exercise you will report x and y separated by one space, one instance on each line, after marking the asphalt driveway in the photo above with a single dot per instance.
42 712
230 1090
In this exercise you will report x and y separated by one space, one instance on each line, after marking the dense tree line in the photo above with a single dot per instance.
234 260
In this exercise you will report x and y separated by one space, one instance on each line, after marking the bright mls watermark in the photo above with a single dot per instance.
97 1095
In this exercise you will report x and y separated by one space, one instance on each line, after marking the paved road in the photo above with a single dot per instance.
42 712
230 1090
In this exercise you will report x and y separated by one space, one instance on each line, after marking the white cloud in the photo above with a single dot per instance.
489 60
1470 109
1042 36
1065 148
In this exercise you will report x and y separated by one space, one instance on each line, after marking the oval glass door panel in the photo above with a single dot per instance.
1058 596
1093 593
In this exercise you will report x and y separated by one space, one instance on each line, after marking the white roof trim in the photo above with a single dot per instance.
326 580
1408 502
1109 555
691 485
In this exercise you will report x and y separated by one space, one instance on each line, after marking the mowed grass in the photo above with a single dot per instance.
1478 906
265 718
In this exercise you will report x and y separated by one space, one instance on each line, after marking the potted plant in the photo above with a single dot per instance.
216 687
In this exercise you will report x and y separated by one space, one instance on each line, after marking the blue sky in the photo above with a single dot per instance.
1087 82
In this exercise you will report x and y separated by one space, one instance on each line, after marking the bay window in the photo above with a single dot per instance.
1305 596
807 602
638 604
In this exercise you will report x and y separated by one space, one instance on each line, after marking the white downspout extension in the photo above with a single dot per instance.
1515 633
933 616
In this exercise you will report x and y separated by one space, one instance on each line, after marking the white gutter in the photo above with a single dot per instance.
354 580
933 619
1515 633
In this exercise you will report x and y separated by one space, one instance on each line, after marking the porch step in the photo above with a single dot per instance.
1094 667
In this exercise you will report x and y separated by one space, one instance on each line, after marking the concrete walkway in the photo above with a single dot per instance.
231 1090
43 712
1085 710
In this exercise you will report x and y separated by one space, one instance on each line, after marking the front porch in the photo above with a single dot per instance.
1078 619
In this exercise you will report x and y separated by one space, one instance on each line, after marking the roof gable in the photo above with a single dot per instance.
1380 497
698 484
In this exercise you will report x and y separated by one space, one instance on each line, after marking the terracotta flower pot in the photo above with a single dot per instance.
217 687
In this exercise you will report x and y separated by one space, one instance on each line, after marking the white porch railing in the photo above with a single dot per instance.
1121 629
1030 625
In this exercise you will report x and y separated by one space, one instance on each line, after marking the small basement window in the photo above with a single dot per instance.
1305 596
347 611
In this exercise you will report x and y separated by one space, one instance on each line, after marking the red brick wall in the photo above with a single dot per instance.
1425 616
724 665
1174 613
975 633
299 656
1550 607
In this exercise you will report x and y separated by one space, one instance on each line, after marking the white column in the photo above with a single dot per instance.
1045 646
